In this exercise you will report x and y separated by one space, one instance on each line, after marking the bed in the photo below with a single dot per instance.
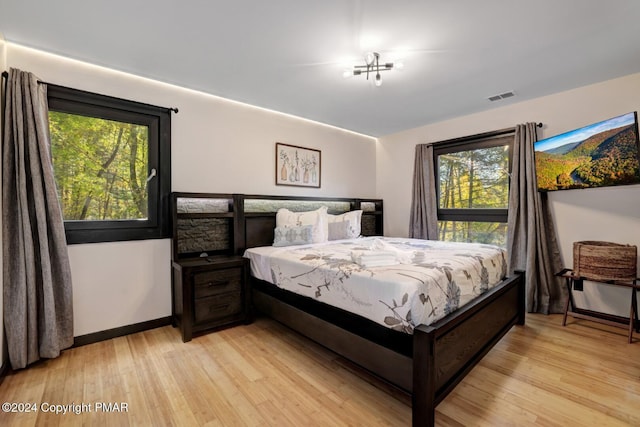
396 344
396 283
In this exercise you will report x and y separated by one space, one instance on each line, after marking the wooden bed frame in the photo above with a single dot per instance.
439 355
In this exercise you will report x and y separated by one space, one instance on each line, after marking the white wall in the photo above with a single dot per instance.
610 214
217 146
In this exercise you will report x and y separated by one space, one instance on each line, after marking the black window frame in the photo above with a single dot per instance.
158 121
470 143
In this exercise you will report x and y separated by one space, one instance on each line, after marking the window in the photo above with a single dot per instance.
472 178
112 166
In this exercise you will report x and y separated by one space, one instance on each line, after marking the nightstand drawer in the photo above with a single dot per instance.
217 281
217 307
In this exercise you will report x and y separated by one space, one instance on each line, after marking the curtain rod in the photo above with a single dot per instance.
5 74
478 136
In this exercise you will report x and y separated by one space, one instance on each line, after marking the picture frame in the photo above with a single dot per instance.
297 166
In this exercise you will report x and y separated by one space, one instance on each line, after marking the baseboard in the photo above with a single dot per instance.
81 340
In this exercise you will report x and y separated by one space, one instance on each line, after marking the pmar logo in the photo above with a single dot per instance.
112 407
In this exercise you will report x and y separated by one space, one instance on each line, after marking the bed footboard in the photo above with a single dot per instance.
446 351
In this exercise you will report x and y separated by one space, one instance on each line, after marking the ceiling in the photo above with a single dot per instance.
290 55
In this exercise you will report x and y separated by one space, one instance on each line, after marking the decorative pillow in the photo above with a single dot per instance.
317 219
289 236
345 226
339 230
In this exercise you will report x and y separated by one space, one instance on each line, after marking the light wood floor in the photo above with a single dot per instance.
584 374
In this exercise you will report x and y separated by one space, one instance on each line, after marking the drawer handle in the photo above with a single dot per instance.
217 283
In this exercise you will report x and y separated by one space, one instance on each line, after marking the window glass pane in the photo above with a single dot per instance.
100 167
474 178
494 233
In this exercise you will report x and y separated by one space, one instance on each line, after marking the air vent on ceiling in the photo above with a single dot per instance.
501 96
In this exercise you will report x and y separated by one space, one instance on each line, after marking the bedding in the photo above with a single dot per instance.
423 282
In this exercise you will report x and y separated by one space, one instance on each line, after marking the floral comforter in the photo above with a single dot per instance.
427 280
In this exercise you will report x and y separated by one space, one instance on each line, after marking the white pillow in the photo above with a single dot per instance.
345 226
289 236
317 219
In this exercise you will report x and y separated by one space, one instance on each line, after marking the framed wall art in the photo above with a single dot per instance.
297 166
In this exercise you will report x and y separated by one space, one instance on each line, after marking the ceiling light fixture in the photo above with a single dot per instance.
372 65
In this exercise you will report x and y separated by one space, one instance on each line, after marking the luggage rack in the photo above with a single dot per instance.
574 281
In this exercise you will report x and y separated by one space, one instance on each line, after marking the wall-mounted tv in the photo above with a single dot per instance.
602 154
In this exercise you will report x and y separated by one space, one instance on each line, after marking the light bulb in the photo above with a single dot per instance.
378 80
398 65
347 74
369 58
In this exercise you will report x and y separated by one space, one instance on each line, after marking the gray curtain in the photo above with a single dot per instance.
531 239
38 313
423 222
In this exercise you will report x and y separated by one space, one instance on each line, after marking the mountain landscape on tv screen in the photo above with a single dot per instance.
606 158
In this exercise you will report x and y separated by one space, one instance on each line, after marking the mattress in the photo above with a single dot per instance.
396 282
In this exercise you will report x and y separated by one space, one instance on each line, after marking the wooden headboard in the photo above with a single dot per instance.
260 214
225 223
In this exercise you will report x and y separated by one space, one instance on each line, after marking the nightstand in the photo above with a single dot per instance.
209 293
